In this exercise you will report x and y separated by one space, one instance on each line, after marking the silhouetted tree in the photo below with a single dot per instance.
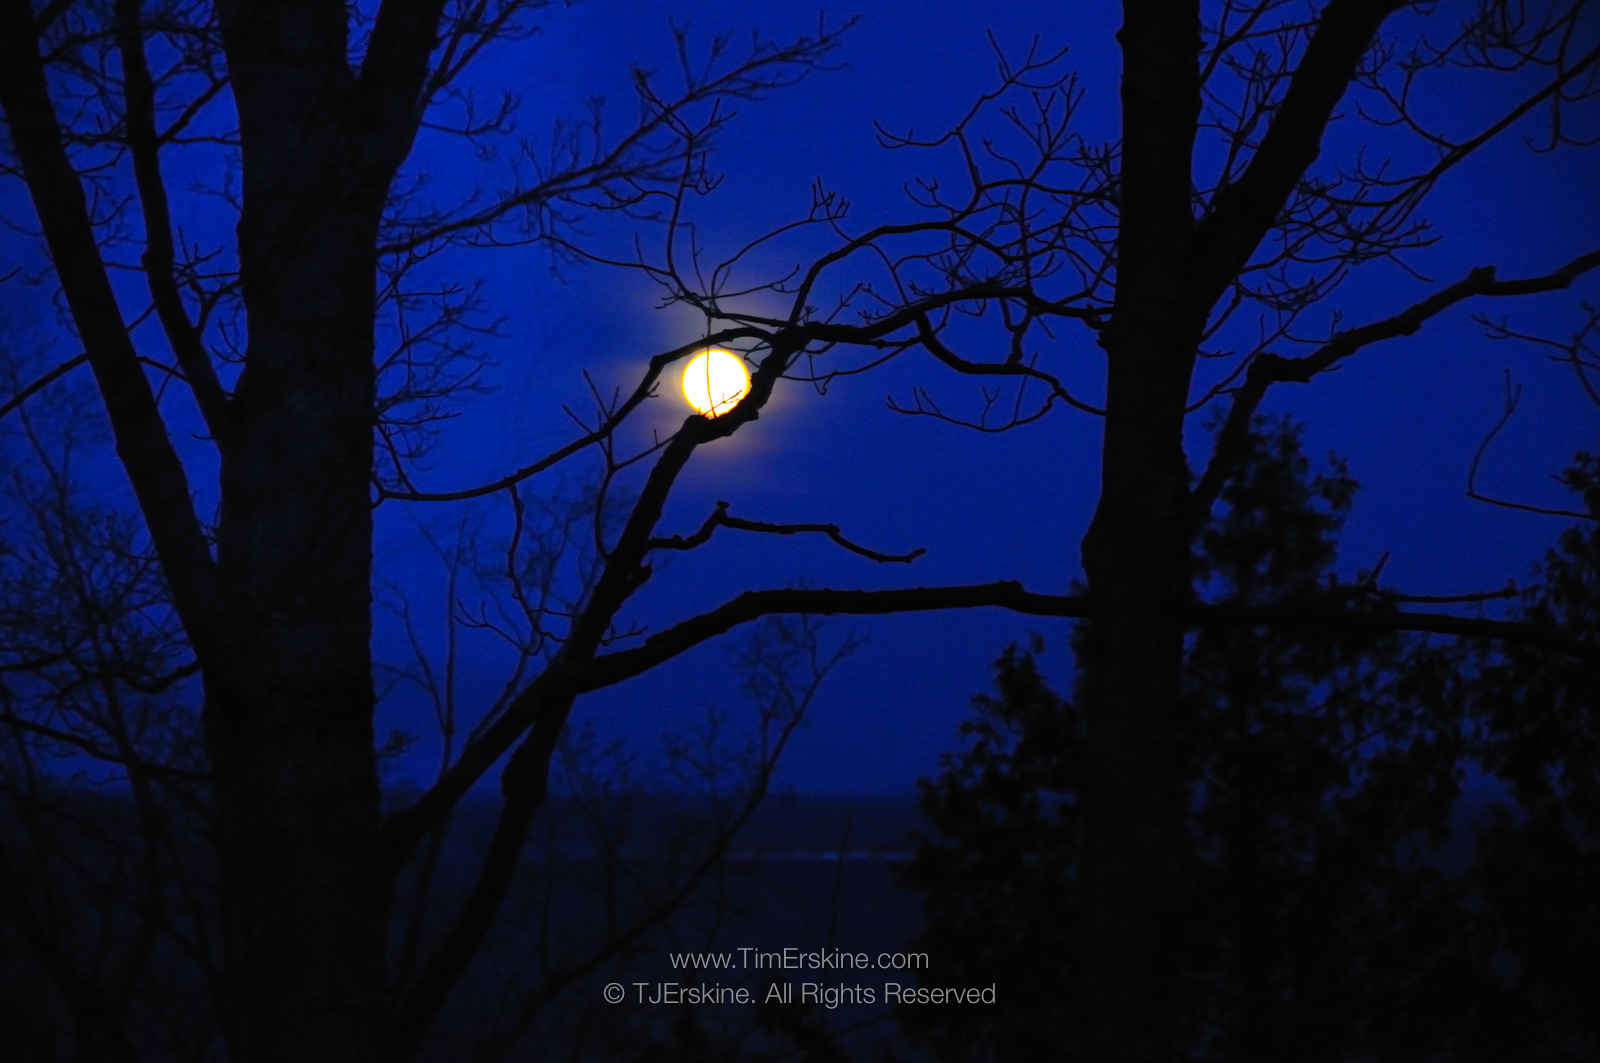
1536 881
108 903
1191 249
998 878
1321 766
107 896
275 599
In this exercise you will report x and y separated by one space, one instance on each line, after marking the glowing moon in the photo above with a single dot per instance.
715 382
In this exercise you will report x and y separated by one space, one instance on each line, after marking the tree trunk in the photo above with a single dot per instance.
1135 556
289 718
1134 800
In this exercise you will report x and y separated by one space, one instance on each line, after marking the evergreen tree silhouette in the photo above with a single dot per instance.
1324 766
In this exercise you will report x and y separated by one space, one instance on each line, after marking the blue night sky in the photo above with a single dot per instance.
1407 414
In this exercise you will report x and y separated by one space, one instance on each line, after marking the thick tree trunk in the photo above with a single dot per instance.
290 717
1134 801
281 620
1135 556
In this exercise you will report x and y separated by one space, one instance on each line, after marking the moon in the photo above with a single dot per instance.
715 382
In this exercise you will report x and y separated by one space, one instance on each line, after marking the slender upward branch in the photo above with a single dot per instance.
159 481
139 96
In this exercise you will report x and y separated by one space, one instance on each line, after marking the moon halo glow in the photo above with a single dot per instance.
715 382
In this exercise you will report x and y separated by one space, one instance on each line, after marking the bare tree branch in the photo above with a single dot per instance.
1269 369
720 518
1512 397
44 381
134 766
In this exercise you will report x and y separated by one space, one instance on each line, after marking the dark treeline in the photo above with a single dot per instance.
69 894
1393 841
